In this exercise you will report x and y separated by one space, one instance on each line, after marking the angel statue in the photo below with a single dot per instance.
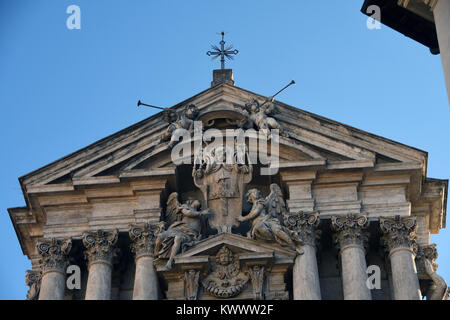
266 226
181 120
260 115
184 229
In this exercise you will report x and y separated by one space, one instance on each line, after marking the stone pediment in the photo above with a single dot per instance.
312 140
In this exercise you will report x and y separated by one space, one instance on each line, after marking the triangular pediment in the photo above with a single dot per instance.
312 140
238 244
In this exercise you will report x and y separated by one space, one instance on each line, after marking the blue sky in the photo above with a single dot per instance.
61 89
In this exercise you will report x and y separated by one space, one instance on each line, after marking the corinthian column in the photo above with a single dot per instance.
100 250
305 273
399 239
146 280
351 239
53 264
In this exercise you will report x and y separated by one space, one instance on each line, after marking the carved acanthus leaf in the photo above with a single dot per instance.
100 245
143 238
305 226
54 254
399 232
350 230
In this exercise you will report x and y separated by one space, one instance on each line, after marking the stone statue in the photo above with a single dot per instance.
183 119
33 280
184 228
438 290
264 225
191 284
222 177
261 117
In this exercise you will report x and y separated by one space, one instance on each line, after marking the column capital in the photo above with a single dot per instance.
54 254
304 225
350 230
100 246
399 232
33 280
143 239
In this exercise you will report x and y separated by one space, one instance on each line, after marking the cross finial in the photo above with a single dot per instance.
222 52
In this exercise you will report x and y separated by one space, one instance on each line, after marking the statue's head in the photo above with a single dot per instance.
224 257
191 111
253 195
252 106
195 204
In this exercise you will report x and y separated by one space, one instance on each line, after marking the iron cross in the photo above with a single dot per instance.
222 52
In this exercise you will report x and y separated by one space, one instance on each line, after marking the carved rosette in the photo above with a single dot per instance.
304 225
399 233
33 280
350 230
100 246
143 239
54 254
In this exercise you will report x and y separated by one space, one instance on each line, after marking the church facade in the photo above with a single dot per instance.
327 211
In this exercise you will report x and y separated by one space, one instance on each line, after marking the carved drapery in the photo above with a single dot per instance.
425 258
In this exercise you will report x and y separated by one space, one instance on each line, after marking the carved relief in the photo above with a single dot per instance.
350 230
305 227
222 181
54 254
183 119
264 225
226 279
257 276
399 232
191 284
100 245
143 238
33 280
184 229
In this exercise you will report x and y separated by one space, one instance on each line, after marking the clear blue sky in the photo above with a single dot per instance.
61 89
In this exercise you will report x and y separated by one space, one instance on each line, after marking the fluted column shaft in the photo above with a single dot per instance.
146 280
100 251
399 239
54 260
305 271
351 239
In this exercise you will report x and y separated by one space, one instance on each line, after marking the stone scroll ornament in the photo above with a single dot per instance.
184 228
226 279
33 280
222 174
191 284
425 258
305 227
143 238
100 245
179 120
399 232
54 254
351 230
